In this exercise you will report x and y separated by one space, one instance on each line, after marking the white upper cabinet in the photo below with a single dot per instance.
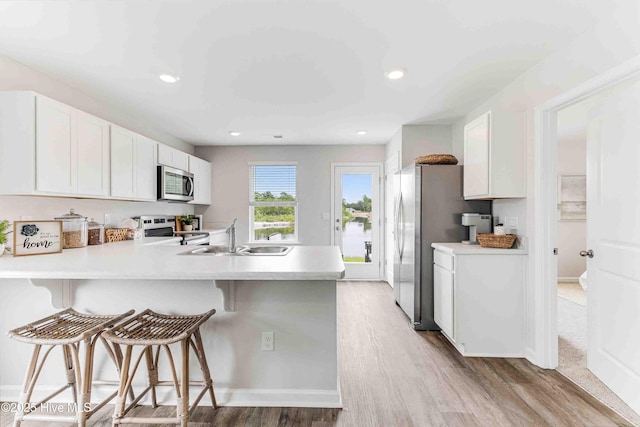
133 165
494 156
122 162
50 148
56 147
146 169
201 170
169 156
93 155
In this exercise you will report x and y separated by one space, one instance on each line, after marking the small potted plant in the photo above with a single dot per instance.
4 225
187 222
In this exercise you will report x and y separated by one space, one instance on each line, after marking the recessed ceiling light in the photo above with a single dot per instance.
168 78
362 132
396 73
234 133
277 136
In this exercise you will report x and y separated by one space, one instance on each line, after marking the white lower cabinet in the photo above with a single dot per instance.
479 298
443 299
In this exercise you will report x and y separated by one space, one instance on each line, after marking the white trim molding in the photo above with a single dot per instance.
545 196
300 398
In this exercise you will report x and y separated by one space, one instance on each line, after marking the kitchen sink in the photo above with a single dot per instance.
209 250
241 250
266 250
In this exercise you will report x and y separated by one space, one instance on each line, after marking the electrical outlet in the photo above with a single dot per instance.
326 216
267 341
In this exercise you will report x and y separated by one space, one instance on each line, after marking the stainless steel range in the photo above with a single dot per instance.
165 226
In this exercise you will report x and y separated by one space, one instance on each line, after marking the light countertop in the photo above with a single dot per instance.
157 258
460 249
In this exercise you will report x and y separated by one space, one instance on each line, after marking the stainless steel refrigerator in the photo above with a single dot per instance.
428 208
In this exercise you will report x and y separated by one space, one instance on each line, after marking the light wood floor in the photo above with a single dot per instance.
393 376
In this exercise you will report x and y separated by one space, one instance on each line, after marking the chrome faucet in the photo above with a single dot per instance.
231 231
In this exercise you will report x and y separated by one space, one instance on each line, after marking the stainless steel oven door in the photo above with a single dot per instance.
193 238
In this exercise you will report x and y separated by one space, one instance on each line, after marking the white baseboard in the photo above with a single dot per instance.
568 279
531 356
301 398
280 398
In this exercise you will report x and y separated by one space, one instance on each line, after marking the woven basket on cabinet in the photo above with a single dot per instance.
505 241
437 159
115 234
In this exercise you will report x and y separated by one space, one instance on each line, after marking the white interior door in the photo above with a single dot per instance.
613 234
357 218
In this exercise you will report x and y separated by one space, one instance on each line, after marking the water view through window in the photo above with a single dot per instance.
356 217
273 202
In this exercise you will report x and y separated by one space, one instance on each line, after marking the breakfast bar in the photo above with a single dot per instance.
292 296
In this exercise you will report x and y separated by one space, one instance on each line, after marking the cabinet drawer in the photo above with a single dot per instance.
443 260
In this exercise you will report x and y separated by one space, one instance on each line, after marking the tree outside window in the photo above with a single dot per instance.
272 202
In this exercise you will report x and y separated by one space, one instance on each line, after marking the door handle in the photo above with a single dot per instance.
337 228
588 253
398 235
402 226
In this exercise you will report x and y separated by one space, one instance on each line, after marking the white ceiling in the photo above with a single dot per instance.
312 71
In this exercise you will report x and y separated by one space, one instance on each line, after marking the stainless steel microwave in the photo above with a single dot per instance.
174 185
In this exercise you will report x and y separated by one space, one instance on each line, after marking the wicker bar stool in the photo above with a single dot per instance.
154 331
67 329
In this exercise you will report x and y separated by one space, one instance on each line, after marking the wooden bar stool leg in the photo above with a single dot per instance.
116 355
183 410
84 408
121 398
70 371
206 374
73 351
27 387
152 371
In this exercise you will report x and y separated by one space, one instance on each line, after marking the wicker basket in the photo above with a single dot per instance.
496 241
437 159
116 234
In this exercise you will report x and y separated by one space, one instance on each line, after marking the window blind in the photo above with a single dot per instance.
272 184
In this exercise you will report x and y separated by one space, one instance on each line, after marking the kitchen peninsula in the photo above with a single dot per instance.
293 296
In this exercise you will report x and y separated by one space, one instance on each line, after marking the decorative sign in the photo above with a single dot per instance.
37 237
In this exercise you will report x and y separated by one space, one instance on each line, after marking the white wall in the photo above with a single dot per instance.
412 141
15 207
302 371
613 41
16 76
230 183
572 160
419 140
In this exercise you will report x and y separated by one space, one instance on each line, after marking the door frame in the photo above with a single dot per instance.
545 274
381 225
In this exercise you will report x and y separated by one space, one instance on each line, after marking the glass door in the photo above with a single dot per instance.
356 219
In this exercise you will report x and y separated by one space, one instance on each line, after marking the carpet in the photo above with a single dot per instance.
573 292
572 357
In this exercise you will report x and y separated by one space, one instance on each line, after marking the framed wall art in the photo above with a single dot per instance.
572 197
37 237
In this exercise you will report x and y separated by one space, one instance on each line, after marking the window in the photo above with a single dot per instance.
273 204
